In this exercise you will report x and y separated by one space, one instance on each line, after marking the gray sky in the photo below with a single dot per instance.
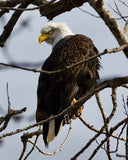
22 84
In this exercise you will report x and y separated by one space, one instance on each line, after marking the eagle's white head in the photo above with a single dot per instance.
53 32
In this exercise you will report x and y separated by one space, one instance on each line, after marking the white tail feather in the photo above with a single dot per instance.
51 131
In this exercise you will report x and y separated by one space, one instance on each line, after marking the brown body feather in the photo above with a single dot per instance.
56 91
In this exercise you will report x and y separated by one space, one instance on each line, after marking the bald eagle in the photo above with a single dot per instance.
56 92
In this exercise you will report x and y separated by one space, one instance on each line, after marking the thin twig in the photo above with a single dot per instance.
89 13
119 18
100 106
106 51
32 147
88 143
117 138
123 3
83 10
100 132
56 151
9 104
118 11
114 101
117 146
23 151
111 23
109 134
105 122
10 113
91 127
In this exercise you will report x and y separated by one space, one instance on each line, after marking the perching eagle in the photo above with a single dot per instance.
56 91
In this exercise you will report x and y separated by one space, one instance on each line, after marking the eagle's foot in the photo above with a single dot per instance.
74 114
78 112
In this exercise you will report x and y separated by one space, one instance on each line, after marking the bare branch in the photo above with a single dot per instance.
51 11
32 148
123 3
116 82
117 146
24 150
27 9
126 28
25 138
121 156
106 51
11 113
91 127
88 144
10 4
118 11
100 106
11 23
6 118
112 129
89 13
111 22
107 120
114 101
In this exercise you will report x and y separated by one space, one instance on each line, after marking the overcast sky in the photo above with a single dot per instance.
23 46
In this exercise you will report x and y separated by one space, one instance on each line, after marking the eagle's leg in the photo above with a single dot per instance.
72 115
78 112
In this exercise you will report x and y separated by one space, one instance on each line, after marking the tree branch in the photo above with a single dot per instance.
112 129
111 22
106 51
42 5
11 23
116 82
91 127
10 4
11 113
51 11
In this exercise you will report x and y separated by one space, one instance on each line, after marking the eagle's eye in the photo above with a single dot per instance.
51 31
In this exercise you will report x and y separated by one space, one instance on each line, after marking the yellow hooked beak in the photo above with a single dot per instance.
43 37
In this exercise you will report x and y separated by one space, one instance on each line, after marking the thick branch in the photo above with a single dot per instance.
52 10
111 22
10 3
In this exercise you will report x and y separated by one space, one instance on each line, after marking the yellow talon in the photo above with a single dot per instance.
74 117
74 101
78 112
